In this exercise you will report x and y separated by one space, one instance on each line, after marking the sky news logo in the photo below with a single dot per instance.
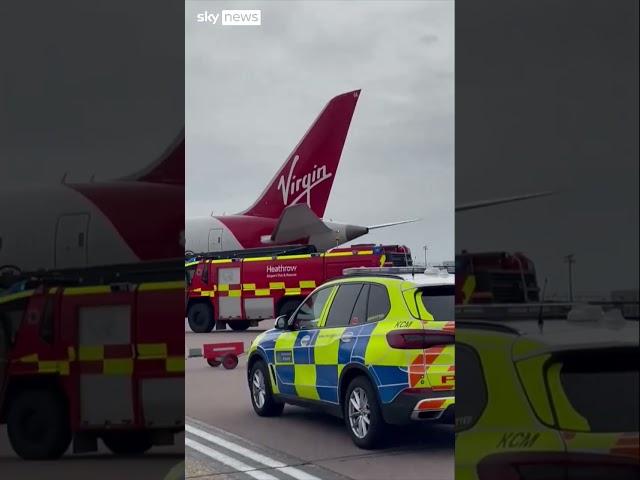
245 18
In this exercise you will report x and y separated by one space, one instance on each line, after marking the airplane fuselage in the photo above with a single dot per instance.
73 226
236 232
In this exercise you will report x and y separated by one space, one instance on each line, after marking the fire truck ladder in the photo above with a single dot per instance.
153 271
254 252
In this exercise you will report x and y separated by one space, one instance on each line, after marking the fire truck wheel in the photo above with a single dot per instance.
127 443
201 318
38 425
239 325
264 404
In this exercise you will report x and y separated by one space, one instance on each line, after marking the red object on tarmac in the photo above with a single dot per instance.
223 353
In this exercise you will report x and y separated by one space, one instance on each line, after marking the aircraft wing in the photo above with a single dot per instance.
296 222
498 201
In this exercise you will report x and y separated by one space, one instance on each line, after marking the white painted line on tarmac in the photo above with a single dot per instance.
228 461
256 457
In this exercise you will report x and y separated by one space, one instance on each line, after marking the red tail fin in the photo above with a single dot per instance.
307 175
167 169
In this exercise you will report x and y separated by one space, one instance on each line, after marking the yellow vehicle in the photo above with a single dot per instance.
548 392
375 347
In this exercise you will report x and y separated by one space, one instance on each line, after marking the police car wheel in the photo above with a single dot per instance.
362 414
262 398
200 318
127 443
38 425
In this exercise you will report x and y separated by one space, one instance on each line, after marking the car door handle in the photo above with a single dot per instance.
346 337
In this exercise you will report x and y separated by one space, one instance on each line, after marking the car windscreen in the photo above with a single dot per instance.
439 301
613 373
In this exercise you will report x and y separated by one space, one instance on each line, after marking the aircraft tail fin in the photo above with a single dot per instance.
167 169
308 173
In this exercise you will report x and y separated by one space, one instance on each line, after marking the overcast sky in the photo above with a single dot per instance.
252 92
550 101
105 105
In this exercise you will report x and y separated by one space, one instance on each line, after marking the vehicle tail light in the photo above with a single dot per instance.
557 466
419 339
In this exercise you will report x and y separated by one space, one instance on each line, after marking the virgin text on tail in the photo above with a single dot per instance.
301 186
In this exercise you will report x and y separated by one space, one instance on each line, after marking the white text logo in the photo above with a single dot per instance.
281 269
232 17
301 186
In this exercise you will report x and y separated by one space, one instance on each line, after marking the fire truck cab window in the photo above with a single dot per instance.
310 311
11 317
205 273
379 304
190 273
343 304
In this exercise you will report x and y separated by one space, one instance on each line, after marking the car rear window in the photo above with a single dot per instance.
602 387
438 301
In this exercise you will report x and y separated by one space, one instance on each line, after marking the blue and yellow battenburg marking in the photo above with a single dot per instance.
308 364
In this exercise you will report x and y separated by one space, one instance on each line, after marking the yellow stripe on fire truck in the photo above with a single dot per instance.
285 257
110 366
468 288
226 290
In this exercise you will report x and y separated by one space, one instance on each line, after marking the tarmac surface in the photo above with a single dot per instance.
227 440
101 466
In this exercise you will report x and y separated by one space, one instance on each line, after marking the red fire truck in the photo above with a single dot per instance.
91 355
495 277
244 287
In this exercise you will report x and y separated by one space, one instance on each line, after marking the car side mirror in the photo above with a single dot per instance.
281 322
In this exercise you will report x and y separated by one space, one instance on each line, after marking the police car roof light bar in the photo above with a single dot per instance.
394 271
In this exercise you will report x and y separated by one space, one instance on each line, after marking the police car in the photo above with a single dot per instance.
548 391
375 347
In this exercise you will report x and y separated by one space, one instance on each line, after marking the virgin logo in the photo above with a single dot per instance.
301 186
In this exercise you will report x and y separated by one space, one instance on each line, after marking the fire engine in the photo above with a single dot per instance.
93 354
495 277
241 288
